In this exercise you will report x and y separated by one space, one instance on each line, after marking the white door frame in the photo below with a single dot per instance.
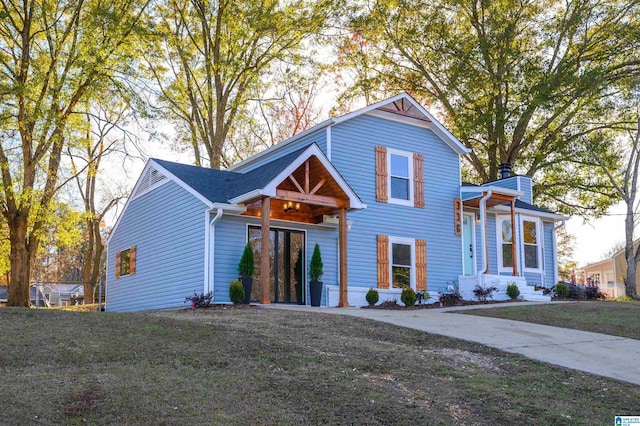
471 218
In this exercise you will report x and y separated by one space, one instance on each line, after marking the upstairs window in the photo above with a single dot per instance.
400 172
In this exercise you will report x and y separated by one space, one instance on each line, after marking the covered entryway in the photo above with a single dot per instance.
307 189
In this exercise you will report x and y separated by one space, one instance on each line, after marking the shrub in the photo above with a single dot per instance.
482 293
246 267
576 291
513 291
408 296
372 296
236 292
199 301
315 267
562 290
450 298
592 292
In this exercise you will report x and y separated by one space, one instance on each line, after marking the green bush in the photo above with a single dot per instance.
562 291
372 296
408 296
513 291
246 265
236 292
315 267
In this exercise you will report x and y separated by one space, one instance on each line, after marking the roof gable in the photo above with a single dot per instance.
401 106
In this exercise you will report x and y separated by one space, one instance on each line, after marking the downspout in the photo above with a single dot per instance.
483 231
212 245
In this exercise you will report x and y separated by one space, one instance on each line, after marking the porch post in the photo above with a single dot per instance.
342 242
264 252
513 238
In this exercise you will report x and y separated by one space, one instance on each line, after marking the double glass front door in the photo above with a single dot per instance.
287 266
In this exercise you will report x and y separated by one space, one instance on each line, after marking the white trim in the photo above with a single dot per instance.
472 215
387 115
514 239
539 241
411 177
270 189
555 217
493 189
435 126
183 185
207 251
328 136
404 241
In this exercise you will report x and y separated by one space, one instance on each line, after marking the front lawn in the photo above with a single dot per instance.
267 366
614 318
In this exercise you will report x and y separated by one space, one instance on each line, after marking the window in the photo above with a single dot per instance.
399 177
401 256
400 173
126 262
505 241
530 237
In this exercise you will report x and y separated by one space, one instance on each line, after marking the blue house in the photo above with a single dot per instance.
378 189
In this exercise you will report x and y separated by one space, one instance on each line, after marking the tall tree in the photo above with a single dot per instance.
52 55
211 57
518 81
625 182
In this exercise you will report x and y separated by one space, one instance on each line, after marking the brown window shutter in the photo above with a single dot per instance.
418 181
117 265
132 260
382 192
383 261
421 265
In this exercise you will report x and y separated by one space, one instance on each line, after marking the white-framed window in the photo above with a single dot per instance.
505 243
531 244
402 257
400 173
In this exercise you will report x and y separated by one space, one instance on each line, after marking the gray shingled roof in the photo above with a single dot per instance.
219 186
526 206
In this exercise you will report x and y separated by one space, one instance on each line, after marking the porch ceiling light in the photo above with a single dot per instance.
290 207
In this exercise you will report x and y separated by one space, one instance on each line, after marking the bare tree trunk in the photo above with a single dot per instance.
630 256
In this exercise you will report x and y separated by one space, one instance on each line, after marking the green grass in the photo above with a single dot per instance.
267 366
614 318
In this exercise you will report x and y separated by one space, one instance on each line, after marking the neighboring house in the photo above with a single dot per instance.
60 294
379 189
610 274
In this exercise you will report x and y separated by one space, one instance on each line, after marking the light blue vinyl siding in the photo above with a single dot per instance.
353 154
508 183
319 138
526 187
167 227
231 237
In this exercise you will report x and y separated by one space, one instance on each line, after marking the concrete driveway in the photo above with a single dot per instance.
608 356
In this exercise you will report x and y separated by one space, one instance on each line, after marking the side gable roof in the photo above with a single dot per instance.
411 108
225 187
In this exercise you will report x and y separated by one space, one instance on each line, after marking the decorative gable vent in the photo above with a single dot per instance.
151 179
